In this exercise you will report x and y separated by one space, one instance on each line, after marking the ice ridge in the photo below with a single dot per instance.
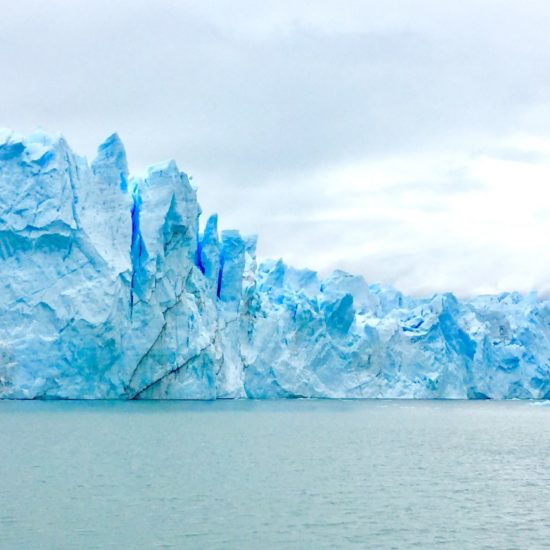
112 291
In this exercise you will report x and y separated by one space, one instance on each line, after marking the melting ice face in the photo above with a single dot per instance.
111 292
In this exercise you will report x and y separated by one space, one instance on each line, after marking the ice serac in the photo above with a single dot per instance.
237 260
209 254
64 297
111 290
170 292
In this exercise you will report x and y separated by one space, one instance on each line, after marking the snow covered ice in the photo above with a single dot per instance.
110 291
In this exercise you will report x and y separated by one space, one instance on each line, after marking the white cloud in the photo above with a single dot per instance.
469 224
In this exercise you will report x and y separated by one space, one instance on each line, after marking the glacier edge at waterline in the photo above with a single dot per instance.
111 292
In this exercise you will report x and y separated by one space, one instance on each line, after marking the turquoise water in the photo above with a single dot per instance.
279 474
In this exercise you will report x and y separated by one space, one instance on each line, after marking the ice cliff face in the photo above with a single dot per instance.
109 291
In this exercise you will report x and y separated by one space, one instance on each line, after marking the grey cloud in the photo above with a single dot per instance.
518 155
175 84
254 98
451 186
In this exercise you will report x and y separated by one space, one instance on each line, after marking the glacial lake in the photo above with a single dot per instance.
275 474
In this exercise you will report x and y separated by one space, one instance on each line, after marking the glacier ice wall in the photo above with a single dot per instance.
110 291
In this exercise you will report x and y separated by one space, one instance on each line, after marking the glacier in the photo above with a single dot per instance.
112 291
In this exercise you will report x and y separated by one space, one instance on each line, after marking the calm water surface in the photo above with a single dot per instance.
280 474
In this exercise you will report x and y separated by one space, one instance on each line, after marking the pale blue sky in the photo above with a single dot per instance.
405 140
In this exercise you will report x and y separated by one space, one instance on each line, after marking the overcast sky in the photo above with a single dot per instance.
408 141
